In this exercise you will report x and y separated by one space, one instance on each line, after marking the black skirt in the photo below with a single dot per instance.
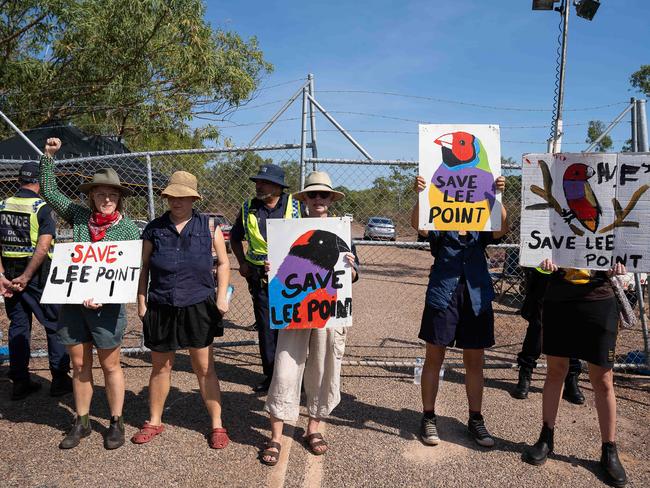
581 329
167 328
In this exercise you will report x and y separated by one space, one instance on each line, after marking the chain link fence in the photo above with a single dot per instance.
396 267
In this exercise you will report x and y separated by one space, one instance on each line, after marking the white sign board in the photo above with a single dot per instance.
586 210
310 282
107 272
459 164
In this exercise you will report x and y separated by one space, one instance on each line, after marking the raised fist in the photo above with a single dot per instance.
52 145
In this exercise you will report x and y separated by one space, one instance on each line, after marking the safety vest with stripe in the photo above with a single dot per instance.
257 247
540 270
19 226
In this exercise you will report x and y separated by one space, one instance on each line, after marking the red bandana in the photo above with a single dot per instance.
99 223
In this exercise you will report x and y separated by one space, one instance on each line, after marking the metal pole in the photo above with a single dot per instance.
20 133
557 136
312 121
303 138
633 134
610 127
642 126
152 208
339 127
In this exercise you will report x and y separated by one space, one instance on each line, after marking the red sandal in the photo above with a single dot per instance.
147 433
219 438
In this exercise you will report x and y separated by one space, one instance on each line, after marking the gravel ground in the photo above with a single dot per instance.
371 433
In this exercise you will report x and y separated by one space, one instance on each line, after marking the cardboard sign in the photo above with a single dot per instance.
107 272
586 210
310 283
459 164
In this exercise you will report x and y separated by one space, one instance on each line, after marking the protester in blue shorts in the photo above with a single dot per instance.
457 312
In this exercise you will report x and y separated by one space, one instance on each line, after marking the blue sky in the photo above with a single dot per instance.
493 53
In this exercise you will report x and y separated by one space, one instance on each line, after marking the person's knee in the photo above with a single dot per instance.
111 367
557 371
602 383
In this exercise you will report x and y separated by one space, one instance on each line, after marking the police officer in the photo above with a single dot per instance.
270 202
27 231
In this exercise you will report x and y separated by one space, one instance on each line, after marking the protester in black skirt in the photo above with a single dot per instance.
181 309
457 312
580 319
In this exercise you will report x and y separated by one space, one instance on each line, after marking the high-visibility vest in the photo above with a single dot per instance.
19 226
257 247
540 270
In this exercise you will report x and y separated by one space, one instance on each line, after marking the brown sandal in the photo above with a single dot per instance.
275 456
312 445
147 433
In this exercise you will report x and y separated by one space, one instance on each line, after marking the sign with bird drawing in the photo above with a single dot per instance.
459 164
586 210
310 280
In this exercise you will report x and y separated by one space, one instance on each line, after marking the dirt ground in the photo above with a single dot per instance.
372 433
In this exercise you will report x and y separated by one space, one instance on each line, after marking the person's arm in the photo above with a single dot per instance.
143 282
61 204
223 270
40 253
418 186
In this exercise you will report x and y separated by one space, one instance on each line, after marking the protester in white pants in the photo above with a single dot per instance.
312 354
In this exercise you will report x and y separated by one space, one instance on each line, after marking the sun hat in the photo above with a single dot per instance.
318 181
182 184
105 177
272 173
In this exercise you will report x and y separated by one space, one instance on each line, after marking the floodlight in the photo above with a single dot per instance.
543 4
587 8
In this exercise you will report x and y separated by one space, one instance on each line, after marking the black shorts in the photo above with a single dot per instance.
458 325
581 329
167 328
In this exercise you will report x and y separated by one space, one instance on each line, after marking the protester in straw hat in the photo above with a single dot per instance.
180 309
82 326
312 354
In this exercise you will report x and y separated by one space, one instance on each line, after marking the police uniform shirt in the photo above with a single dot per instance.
263 213
46 223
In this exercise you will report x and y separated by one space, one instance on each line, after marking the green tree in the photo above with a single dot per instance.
140 69
595 129
641 79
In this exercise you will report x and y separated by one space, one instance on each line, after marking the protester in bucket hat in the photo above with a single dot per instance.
177 302
82 326
270 202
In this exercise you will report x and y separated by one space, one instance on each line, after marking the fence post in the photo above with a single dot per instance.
312 122
303 138
152 208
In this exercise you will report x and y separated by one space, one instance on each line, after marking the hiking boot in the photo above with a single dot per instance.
520 391
572 393
612 464
61 385
476 427
114 435
74 436
429 431
538 452
23 388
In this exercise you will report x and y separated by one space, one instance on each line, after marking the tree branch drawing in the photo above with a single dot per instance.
621 214
546 194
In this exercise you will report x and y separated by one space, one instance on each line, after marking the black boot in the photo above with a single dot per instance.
74 436
521 390
23 388
572 393
538 452
114 436
61 385
612 464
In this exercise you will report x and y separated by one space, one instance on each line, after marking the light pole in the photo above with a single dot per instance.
586 9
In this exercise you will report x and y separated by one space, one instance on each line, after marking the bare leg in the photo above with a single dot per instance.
159 384
203 366
602 379
81 356
109 359
555 374
435 355
473 359
312 428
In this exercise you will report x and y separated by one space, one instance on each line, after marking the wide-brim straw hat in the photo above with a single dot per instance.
105 177
182 184
318 181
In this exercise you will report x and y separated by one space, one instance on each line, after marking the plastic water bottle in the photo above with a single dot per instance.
229 292
417 371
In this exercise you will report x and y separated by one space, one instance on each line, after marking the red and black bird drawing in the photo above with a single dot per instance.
580 196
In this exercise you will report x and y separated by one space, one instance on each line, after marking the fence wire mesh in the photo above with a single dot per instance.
394 269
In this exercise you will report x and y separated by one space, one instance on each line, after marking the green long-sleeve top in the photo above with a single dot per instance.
79 215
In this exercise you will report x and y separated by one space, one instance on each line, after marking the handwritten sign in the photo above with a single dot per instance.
586 210
108 272
310 283
459 164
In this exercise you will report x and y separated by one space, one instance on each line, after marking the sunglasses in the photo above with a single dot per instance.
324 195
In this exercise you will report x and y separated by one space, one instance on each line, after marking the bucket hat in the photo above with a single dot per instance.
182 184
318 181
105 177
272 173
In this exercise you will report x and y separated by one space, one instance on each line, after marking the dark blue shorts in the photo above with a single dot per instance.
457 326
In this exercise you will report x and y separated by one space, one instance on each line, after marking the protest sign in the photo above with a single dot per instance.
586 210
310 283
459 164
108 272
